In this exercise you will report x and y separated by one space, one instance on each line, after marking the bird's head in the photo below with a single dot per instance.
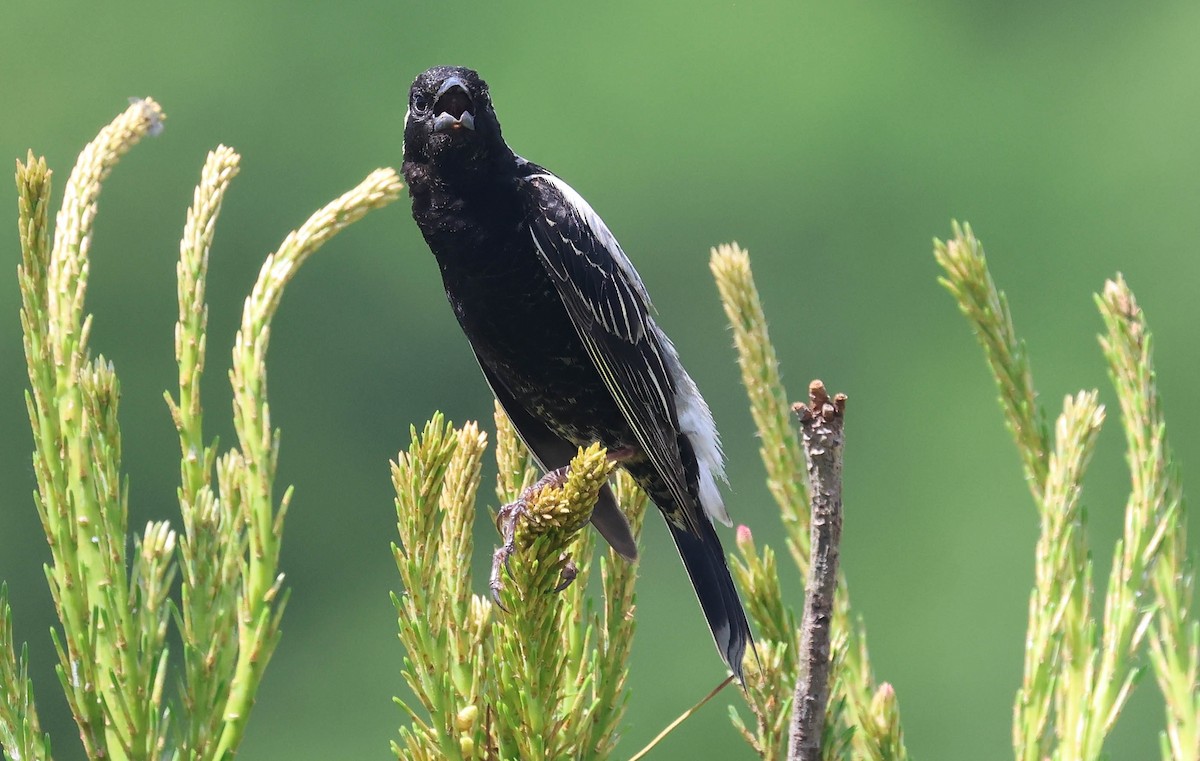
450 118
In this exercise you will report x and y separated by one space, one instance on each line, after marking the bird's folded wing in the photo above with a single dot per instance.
610 309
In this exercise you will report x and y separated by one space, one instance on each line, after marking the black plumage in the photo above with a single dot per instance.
563 328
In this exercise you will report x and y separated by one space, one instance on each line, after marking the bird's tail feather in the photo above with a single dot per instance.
705 562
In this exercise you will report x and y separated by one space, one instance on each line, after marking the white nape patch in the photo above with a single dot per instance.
696 422
601 231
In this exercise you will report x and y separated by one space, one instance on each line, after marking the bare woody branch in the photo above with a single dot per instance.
821 429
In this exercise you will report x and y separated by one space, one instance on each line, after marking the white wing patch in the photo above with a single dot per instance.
696 422
695 419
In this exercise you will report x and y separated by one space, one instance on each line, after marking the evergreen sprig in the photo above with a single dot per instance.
115 607
546 677
212 542
1080 669
858 724
252 469
779 444
1156 525
986 308
21 735
111 648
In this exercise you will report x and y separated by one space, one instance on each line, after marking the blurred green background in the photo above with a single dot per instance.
833 140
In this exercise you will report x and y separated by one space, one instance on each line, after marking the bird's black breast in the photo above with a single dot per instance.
510 310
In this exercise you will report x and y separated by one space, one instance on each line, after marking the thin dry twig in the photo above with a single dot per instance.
821 429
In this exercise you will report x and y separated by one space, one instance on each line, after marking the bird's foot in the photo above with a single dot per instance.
567 574
499 558
624 454
506 523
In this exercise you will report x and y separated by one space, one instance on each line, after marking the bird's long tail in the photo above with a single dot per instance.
705 562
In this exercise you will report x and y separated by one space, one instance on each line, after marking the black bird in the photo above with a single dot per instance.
563 328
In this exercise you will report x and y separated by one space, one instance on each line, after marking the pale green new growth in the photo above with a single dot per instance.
213 542
111 649
566 509
1156 516
769 405
115 609
857 725
545 689
1080 670
616 626
546 679
20 732
1059 617
253 469
21 735
442 627
769 679
986 308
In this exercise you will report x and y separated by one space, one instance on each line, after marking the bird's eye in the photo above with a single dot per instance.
421 102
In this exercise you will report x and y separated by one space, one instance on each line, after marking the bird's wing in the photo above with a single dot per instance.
610 309
552 452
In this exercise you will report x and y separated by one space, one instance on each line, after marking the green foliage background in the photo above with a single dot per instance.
833 143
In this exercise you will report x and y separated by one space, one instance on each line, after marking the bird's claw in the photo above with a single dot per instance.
506 524
567 574
500 557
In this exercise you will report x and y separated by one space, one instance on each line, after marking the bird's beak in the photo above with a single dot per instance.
453 108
